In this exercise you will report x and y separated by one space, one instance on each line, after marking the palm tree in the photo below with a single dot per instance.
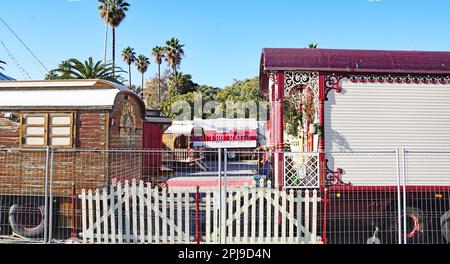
113 12
158 54
2 62
142 64
52 75
129 56
75 69
313 45
173 55
64 68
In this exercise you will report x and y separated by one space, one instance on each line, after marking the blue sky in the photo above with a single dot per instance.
223 38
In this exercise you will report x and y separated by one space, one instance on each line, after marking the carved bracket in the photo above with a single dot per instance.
334 178
332 83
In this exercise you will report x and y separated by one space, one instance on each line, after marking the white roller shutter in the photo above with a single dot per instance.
375 116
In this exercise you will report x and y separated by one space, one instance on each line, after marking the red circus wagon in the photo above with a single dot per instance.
370 130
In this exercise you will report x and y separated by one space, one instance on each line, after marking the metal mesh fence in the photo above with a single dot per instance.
224 196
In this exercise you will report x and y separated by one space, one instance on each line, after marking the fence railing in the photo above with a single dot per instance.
384 196
136 213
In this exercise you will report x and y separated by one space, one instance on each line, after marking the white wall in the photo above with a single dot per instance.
374 116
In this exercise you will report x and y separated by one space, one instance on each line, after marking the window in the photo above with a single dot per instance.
41 130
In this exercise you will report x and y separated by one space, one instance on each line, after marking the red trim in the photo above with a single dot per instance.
389 188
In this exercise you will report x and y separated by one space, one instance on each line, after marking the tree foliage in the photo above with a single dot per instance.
142 63
113 11
173 54
129 57
2 62
75 69
240 91
151 90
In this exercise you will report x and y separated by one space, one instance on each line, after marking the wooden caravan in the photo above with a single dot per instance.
154 126
181 144
83 120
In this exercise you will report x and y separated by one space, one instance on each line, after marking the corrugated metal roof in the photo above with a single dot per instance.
58 98
425 62
180 128
61 94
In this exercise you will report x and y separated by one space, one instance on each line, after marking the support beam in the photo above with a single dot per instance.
279 142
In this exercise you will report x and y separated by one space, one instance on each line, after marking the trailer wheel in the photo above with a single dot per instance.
445 226
415 225
27 219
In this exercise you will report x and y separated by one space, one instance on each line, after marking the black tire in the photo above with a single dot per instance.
445 226
415 226
415 231
27 219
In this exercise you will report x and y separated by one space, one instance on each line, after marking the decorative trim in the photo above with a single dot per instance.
399 79
332 83
334 178
272 76
293 79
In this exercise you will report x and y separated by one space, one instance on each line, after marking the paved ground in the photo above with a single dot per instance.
238 173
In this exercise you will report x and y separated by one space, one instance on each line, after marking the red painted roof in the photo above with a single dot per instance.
368 61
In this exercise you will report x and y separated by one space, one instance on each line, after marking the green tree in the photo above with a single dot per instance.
313 45
244 91
152 87
173 55
113 12
64 69
75 69
129 57
52 75
158 55
184 83
240 91
142 64
137 90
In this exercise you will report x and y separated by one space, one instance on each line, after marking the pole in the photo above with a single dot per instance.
74 197
225 169
398 198
405 241
325 204
220 194
46 194
50 211
106 31
197 216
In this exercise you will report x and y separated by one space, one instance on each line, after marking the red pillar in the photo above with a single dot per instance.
279 97
322 125
321 110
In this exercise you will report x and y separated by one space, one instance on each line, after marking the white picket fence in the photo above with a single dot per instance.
135 213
